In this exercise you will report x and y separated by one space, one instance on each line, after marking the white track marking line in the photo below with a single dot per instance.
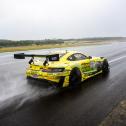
114 60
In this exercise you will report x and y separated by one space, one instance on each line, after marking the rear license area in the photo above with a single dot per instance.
35 76
36 67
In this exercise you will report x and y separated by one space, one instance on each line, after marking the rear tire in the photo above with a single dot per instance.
75 77
60 84
105 67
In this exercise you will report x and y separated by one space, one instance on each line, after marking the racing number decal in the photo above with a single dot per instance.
95 65
89 67
92 65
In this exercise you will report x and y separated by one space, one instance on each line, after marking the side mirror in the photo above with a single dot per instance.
90 57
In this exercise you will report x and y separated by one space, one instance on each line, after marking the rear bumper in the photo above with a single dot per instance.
60 78
46 82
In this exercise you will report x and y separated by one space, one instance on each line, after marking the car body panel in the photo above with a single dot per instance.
88 68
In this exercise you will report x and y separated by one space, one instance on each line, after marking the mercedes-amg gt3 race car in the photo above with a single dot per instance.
65 68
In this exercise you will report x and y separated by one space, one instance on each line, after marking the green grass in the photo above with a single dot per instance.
47 46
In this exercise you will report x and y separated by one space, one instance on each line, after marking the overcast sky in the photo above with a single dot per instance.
40 19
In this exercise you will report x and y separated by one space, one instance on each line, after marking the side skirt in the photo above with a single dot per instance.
92 75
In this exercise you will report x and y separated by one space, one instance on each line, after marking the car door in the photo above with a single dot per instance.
87 65
82 61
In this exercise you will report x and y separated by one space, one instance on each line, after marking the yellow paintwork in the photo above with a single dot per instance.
87 70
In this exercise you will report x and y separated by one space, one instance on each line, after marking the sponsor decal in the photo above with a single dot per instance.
92 65
85 64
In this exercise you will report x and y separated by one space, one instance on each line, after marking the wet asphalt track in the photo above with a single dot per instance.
24 103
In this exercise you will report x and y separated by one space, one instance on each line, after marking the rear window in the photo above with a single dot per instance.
77 56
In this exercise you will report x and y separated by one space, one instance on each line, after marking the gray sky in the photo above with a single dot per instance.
40 19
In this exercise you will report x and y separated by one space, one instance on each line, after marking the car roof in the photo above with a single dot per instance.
66 55
62 52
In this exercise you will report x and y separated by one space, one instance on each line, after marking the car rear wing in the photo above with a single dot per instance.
52 57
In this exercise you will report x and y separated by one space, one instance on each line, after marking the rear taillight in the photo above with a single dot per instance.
46 70
53 70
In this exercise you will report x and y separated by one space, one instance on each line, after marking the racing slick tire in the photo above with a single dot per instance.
75 77
105 67
60 84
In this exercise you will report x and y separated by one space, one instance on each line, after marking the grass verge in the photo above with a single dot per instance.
47 46
117 117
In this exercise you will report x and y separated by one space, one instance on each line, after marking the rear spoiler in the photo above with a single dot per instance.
53 57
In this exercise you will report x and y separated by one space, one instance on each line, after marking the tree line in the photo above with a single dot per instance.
10 43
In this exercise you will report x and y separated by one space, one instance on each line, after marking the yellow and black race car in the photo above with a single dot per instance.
64 68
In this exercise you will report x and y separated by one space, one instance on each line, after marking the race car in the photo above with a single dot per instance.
64 68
